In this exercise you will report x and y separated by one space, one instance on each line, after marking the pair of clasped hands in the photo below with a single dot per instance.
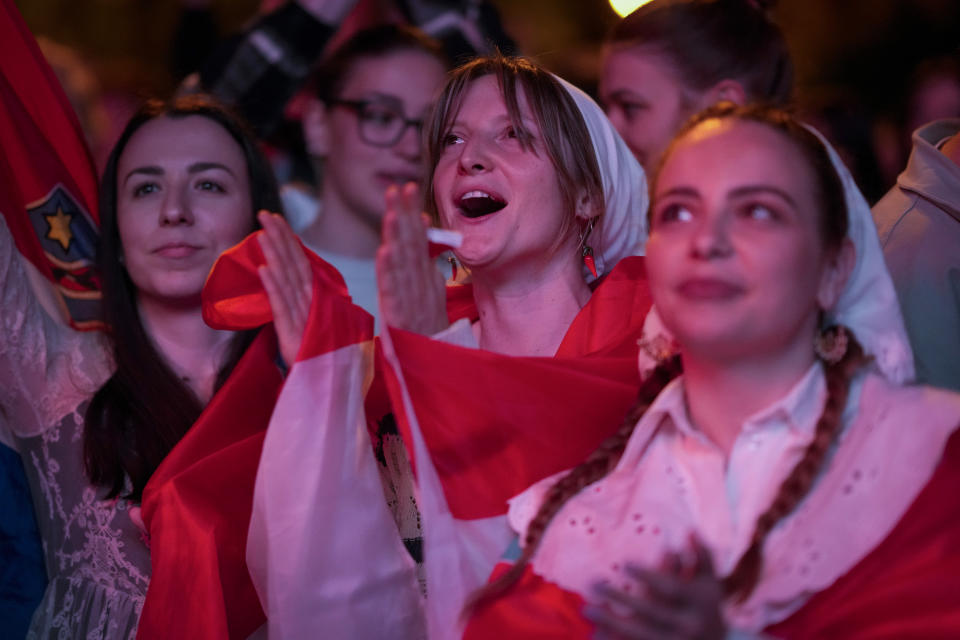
681 600
412 293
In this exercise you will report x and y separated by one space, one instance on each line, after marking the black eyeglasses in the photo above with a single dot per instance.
380 123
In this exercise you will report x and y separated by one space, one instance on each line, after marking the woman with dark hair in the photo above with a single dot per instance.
94 415
772 488
668 60
163 396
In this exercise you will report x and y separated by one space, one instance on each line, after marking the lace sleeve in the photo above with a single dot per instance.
46 368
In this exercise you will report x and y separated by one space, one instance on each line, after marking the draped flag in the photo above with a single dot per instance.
196 507
907 587
48 182
324 550
481 427
48 188
310 584
197 504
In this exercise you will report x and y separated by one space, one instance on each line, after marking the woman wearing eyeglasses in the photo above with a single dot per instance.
363 128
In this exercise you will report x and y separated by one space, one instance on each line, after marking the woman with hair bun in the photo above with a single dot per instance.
787 483
670 59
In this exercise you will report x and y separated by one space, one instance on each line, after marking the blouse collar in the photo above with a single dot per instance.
799 409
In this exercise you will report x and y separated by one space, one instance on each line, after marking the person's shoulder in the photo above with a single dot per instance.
915 404
890 211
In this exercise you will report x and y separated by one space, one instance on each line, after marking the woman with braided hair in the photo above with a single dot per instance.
786 483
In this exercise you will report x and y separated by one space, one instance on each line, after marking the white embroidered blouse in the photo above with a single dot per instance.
672 481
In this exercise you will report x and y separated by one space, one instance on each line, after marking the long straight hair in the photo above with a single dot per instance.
144 409
375 42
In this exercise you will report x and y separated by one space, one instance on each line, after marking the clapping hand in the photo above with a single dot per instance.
412 292
288 281
680 601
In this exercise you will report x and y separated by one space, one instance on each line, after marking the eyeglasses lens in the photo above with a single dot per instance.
380 125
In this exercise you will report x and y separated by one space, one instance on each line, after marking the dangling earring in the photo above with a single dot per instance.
830 344
586 251
659 348
452 259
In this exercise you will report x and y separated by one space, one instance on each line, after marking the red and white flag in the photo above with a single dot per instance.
482 427
48 182
324 548
197 505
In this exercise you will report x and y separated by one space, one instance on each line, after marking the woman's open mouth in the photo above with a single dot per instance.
476 204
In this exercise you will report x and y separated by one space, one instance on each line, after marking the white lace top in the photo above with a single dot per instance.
672 481
98 565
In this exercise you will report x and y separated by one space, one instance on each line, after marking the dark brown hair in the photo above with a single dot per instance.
707 41
566 138
144 409
375 42
745 575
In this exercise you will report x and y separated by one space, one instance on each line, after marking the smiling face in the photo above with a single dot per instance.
736 260
183 197
501 194
357 173
645 100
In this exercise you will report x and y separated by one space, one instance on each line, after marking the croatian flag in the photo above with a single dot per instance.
48 182
48 188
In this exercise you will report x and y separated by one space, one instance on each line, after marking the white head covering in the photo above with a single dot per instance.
867 306
622 230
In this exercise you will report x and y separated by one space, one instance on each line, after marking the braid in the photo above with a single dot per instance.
744 577
597 465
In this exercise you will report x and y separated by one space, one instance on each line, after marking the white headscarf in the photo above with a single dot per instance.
622 230
867 306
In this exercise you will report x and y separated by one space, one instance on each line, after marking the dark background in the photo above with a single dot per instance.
858 57
865 46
